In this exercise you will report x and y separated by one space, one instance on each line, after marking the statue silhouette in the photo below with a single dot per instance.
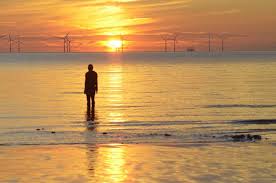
91 87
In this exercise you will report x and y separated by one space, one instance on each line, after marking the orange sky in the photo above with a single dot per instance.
91 22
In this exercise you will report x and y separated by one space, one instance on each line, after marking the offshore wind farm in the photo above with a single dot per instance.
117 42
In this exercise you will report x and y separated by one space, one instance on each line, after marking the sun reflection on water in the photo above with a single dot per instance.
109 164
115 95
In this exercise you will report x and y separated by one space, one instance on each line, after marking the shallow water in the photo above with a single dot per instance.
142 97
234 162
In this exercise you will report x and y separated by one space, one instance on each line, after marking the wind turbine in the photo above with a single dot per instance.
174 39
69 45
222 43
122 43
209 43
19 42
10 42
165 38
65 42
174 42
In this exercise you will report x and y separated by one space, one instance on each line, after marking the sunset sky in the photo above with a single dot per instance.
93 23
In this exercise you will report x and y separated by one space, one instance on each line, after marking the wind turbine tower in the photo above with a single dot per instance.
222 44
19 42
165 38
209 43
65 43
174 42
122 43
10 42
69 45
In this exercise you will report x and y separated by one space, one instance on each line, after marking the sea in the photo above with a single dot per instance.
149 97
159 117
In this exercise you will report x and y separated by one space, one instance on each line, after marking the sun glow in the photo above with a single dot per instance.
114 44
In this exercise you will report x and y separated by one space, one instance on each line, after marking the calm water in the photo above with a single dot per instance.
141 97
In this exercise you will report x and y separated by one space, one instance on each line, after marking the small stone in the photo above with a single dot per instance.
104 133
42 129
167 135
37 129
53 132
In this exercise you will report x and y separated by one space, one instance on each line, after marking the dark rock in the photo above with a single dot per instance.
238 137
257 137
104 133
167 135
53 132
247 137
37 129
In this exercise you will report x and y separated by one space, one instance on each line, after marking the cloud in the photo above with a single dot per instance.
225 12
140 20
221 12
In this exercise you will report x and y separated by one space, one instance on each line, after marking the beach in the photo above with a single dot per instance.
231 162
159 117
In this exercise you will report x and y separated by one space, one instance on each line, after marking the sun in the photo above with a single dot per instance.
114 44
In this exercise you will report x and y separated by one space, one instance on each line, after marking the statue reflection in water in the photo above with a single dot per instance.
90 119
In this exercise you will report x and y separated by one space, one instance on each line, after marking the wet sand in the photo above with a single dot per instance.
225 162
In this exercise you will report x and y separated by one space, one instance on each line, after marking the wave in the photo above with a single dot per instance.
72 93
241 106
152 123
